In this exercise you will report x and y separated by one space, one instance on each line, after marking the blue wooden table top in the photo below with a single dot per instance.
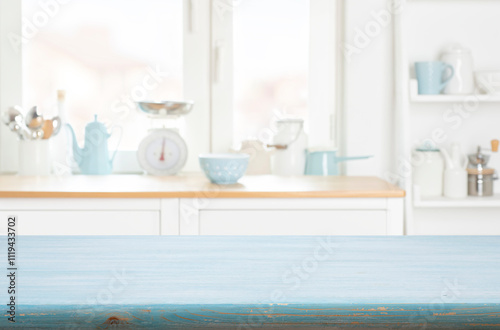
256 282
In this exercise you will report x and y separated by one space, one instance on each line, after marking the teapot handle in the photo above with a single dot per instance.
119 141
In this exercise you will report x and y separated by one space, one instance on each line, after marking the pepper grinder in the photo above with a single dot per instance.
480 177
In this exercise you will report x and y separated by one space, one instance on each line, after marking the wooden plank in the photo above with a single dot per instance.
195 186
294 316
437 282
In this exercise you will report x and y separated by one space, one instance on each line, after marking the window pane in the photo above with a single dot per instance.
105 55
271 60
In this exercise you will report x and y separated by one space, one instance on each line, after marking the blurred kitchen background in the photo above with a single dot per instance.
347 68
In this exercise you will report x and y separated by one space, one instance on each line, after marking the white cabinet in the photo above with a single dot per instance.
68 216
308 216
292 222
204 216
84 222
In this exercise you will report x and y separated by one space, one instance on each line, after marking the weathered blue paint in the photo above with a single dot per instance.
257 282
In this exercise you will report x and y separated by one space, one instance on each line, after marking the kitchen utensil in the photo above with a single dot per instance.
478 160
260 157
428 171
224 168
461 60
13 115
162 152
494 145
94 157
488 81
15 127
495 162
47 128
481 178
33 118
290 143
34 158
481 181
325 161
37 134
25 133
56 125
166 108
430 76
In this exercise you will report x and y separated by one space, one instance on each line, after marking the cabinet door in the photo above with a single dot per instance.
291 222
83 222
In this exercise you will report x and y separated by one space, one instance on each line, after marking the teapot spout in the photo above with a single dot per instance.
77 151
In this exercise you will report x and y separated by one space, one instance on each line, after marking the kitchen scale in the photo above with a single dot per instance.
163 151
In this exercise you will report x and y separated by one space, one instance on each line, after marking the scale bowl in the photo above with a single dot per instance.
166 108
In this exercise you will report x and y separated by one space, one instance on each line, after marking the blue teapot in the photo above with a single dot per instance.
93 158
325 162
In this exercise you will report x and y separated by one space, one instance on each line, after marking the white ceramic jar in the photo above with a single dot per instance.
461 60
428 172
291 144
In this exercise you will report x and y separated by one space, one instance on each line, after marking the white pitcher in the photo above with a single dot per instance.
461 60
455 175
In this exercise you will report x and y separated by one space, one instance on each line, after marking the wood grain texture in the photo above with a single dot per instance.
195 186
258 282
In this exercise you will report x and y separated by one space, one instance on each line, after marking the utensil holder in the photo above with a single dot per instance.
34 158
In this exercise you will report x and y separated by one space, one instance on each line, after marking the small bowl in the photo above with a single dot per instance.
224 168
489 81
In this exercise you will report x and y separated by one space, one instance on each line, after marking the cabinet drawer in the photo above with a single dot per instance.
281 222
84 222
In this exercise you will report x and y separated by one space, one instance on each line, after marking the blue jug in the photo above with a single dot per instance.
93 158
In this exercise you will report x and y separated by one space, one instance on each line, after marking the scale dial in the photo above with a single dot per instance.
162 152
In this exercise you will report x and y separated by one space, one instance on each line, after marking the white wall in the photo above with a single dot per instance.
475 25
368 105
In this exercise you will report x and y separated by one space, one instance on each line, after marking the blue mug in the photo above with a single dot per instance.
325 162
430 76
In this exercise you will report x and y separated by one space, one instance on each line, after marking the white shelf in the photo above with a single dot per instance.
417 98
468 202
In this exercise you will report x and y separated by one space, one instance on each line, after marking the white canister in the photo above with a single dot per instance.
461 60
428 172
34 157
260 158
290 142
455 183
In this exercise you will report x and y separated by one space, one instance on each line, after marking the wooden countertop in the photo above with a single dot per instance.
414 282
195 186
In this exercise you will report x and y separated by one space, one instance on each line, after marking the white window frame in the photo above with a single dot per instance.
323 73
10 80
207 76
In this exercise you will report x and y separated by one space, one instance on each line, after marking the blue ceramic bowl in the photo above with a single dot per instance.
224 168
